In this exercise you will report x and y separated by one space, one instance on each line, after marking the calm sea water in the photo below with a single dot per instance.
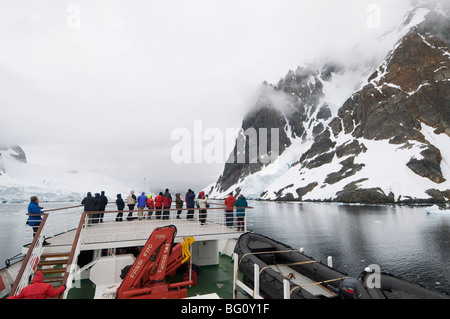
12 227
402 240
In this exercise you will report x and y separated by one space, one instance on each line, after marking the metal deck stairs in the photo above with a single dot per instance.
53 264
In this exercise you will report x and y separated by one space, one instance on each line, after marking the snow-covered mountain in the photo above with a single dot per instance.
19 180
360 133
13 152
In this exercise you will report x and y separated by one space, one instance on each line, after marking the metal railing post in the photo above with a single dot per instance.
235 270
286 288
256 281
26 269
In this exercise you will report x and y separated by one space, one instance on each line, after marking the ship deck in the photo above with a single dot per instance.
212 278
69 230
111 234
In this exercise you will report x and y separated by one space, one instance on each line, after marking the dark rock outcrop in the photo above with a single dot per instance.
409 90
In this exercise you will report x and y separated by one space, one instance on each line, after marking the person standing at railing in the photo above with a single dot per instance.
190 203
35 216
240 212
38 289
120 206
167 202
96 216
202 202
131 201
102 206
179 204
150 205
142 200
89 205
158 205
229 203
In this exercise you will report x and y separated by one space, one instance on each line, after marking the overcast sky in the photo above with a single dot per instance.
102 85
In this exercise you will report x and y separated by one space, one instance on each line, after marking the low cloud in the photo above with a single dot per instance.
105 89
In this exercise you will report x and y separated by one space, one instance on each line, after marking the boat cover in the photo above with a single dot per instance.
392 287
308 278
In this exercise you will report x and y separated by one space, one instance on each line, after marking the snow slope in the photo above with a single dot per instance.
23 180
385 168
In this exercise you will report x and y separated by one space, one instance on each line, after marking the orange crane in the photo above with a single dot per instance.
146 279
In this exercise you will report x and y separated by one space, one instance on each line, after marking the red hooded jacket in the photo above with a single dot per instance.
229 203
167 200
38 289
150 203
158 201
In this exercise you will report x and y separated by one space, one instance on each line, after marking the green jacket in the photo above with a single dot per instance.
241 202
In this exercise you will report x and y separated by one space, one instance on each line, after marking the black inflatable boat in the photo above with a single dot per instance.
308 278
387 286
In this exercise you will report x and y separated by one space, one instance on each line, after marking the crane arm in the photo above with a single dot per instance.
158 257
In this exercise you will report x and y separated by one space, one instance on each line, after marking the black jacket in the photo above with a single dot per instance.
89 203
119 202
97 201
103 201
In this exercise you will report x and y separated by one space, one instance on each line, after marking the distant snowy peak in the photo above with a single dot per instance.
11 152
15 152
19 180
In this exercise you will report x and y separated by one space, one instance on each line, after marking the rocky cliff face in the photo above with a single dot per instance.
408 92
388 142
295 106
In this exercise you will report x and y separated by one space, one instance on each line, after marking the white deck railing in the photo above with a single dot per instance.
66 219
55 221
60 220
110 230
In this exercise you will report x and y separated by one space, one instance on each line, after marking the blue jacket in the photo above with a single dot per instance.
142 200
241 202
190 200
33 209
